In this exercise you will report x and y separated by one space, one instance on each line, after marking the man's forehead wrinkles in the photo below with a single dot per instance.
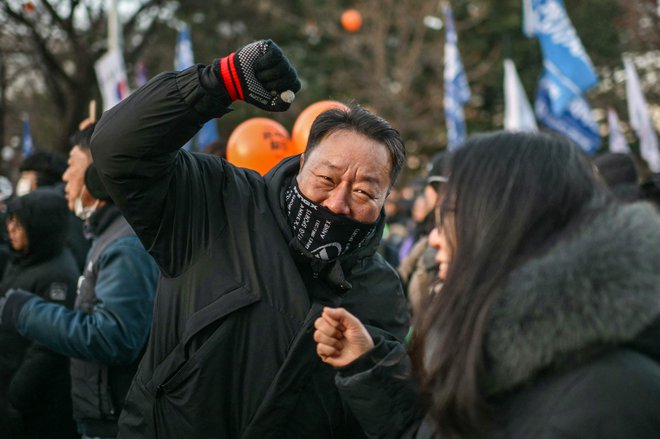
358 177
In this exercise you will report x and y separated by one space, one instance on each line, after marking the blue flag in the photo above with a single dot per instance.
208 134
566 64
26 141
457 90
576 122
183 53
184 58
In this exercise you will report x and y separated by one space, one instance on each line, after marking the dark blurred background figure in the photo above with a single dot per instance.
45 169
420 222
35 400
6 191
397 212
418 269
620 174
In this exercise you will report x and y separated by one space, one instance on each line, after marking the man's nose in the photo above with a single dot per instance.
338 201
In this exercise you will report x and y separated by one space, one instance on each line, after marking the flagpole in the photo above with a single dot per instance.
114 29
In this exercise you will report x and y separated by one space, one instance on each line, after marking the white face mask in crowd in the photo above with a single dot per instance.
81 211
23 186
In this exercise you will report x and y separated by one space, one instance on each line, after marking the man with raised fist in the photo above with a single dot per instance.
248 262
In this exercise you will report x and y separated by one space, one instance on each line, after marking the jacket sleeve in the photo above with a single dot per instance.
116 331
379 390
158 187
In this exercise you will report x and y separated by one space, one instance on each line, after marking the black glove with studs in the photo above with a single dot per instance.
259 74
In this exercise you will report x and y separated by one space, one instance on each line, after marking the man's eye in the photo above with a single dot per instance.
364 194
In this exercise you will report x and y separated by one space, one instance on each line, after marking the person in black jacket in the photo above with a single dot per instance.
248 261
34 380
44 169
548 321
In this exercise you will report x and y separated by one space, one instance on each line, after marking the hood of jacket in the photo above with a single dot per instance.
277 181
597 287
43 214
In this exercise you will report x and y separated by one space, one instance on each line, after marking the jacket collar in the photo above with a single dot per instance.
597 287
101 220
277 181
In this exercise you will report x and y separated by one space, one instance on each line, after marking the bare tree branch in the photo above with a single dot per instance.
66 25
50 61
133 54
73 5
129 26
94 20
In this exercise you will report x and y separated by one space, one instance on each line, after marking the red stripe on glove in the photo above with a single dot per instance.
234 74
227 77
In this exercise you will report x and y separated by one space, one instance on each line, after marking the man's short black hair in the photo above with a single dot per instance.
48 165
357 119
83 138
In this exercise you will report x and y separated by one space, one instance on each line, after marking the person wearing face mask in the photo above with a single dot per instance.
42 168
106 332
35 398
249 261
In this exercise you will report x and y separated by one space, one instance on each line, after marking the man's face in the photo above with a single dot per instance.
74 176
27 182
349 174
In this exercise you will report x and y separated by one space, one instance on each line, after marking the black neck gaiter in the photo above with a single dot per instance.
322 233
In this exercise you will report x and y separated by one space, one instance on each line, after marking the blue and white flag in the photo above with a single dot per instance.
184 58
518 114
26 140
111 76
617 139
640 119
183 53
110 68
576 122
457 90
565 61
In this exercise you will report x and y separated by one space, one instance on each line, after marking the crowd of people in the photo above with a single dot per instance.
512 290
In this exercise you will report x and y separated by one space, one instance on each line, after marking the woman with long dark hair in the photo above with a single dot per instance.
548 321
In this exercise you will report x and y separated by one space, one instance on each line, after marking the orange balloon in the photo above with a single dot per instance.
351 20
300 131
258 143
